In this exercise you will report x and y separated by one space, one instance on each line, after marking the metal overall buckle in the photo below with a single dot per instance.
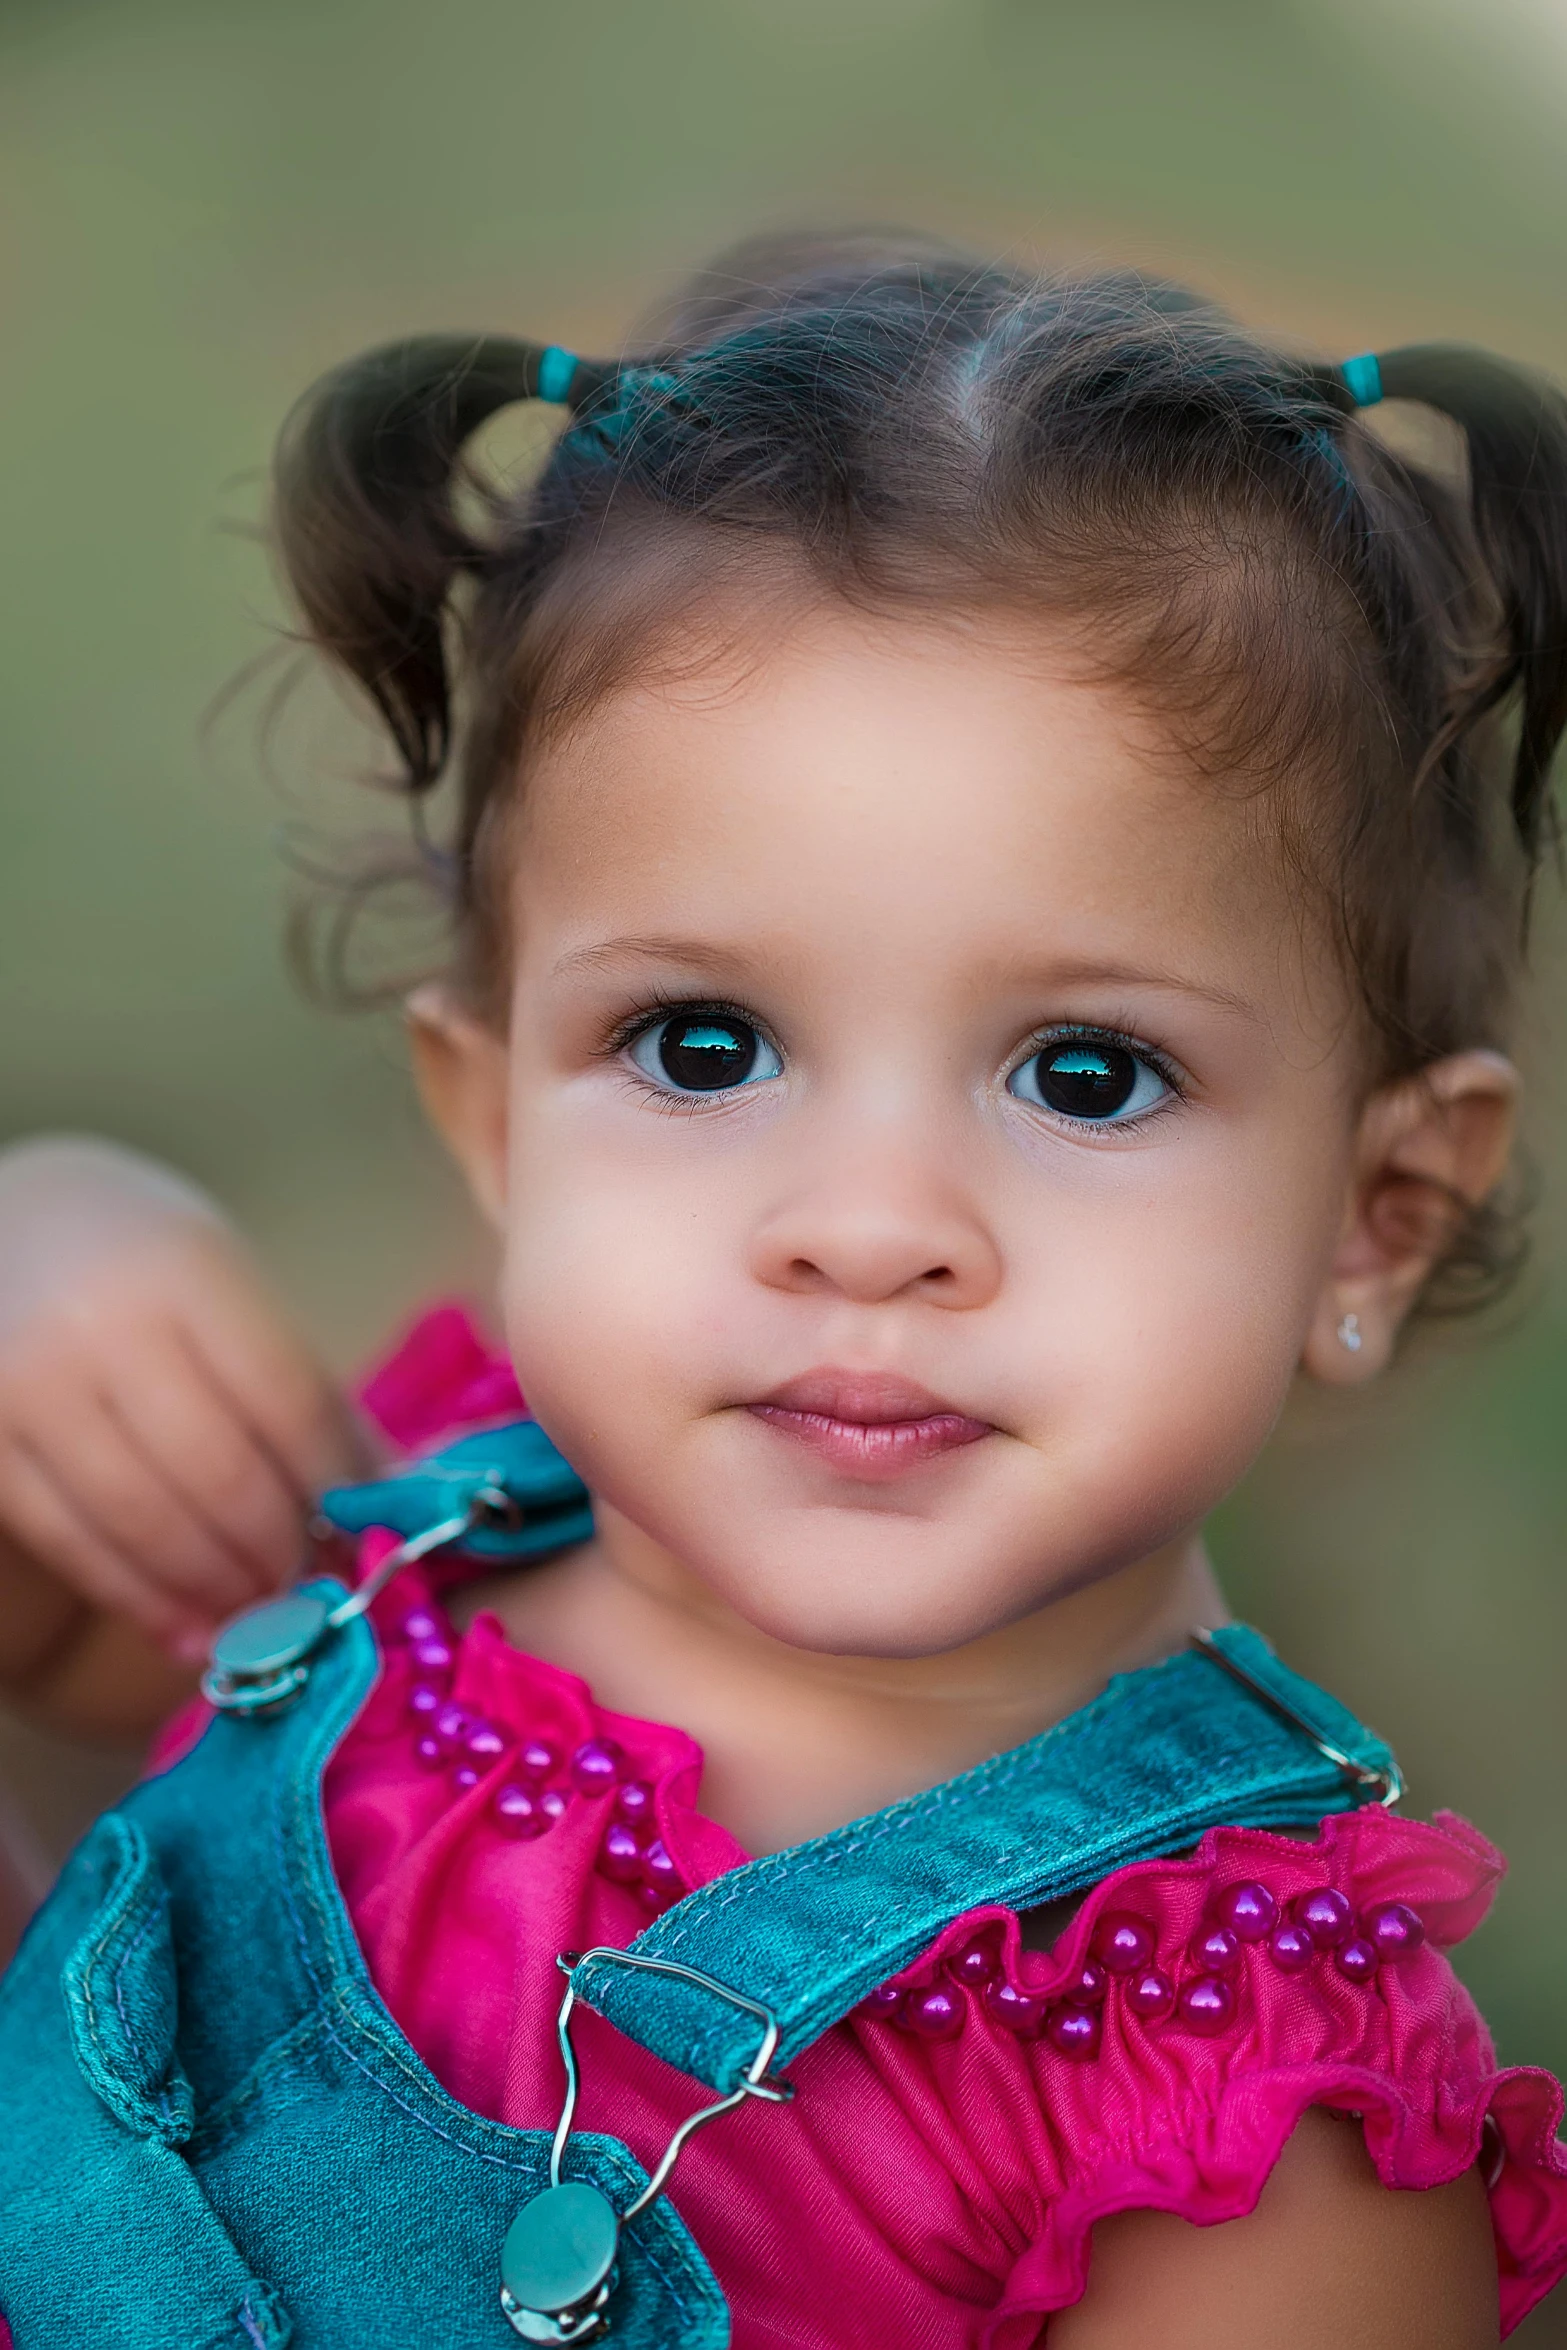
1387 1786
261 1661
559 2263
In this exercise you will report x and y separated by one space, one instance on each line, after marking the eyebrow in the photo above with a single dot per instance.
698 954
1081 972
701 955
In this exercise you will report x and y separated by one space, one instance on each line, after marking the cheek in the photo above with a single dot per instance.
620 1278
1185 1321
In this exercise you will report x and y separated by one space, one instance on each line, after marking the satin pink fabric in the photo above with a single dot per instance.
939 2193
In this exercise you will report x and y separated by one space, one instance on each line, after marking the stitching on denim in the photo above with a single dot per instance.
427 2121
281 2060
1099 1861
666 2277
710 1901
985 1780
118 1900
722 1892
154 1917
289 1786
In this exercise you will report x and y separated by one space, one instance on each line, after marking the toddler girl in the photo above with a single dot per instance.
991 830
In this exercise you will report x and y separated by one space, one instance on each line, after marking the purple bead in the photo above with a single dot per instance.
421 1623
1076 2031
519 1812
1217 1950
424 1702
1326 1917
483 1744
1017 2010
1393 1929
883 2005
432 1656
1086 1985
1124 1942
1150 1995
620 1855
1249 1911
596 1765
1291 1948
552 1806
451 1724
935 2013
659 1869
1356 1960
1206 2004
430 1752
976 1965
634 1803
535 1760
651 1897
464 1776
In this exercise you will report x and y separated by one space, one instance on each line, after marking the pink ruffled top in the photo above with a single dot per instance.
950 2146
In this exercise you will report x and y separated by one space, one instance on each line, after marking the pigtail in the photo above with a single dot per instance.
1516 429
366 519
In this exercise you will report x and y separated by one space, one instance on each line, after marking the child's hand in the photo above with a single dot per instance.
163 1431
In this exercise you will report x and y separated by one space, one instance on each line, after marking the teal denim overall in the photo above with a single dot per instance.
212 2132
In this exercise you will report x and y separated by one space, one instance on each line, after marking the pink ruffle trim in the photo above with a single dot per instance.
1162 2119
440 1377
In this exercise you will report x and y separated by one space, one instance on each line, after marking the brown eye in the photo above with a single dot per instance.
1093 1082
704 1053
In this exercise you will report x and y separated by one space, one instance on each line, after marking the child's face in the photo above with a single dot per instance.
866 879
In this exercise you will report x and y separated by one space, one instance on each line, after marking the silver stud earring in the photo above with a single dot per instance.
1349 1333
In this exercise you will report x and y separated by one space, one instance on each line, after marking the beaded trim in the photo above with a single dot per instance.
535 1784
1198 1991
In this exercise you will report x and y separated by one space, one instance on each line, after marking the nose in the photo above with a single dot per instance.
874 1233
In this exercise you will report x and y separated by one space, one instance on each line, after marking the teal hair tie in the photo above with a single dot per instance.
1363 379
556 369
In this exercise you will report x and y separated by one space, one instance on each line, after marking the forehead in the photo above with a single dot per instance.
869 787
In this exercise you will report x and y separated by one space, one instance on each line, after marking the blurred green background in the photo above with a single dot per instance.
206 202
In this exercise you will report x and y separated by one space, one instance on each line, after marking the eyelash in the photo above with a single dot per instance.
661 1007
1079 1032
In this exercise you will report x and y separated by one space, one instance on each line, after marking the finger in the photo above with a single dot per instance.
91 1459
276 1387
187 1430
52 1529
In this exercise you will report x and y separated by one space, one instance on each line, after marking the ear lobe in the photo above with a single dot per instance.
1430 1149
460 1068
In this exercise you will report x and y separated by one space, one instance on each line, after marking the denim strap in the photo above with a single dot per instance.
1164 1754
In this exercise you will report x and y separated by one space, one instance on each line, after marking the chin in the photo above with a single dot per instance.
859 1615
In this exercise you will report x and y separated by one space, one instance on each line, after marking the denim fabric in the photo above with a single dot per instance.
1163 1755
211 2132
551 1505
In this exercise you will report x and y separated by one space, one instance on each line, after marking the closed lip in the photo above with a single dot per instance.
871 1424
862 1398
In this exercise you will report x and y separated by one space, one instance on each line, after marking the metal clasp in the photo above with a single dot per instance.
558 2265
1388 1785
261 1661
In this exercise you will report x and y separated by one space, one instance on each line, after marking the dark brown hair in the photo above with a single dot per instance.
1381 641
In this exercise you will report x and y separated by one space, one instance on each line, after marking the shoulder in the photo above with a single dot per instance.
1329 2255
1260 2045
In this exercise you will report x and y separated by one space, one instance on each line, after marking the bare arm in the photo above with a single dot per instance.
1329 2260
163 1430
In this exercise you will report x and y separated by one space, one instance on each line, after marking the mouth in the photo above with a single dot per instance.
867 1423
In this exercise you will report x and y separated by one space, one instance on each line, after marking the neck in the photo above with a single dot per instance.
795 1742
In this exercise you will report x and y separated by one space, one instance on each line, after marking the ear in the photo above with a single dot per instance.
1429 1149
460 1068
